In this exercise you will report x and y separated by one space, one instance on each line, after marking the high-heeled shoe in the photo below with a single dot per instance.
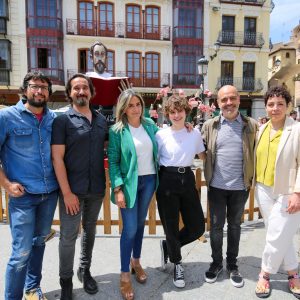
140 274
126 290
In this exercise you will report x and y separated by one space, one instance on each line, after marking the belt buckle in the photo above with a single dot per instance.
181 170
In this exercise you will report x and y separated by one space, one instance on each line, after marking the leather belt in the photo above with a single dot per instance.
180 170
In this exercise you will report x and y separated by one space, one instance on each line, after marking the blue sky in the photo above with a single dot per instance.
284 17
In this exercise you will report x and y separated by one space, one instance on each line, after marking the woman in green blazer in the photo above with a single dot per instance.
132 157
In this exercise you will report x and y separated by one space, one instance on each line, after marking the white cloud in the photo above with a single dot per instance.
284 17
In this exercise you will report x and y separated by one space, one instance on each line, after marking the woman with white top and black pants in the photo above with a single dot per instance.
177 192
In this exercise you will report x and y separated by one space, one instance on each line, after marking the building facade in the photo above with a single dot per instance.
241 30
154 42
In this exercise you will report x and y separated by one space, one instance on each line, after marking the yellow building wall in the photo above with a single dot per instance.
238 54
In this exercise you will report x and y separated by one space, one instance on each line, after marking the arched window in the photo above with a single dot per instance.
152 22
133 67
106 19
152 69
133 21
86 18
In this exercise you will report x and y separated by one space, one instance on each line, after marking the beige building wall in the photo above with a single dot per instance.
238 54
120 45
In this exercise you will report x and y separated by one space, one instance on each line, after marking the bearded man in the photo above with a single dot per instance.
28 177
78 157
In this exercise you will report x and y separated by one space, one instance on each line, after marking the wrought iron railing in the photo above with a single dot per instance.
138 79
56 75
246 2
241 38
117 29
245 84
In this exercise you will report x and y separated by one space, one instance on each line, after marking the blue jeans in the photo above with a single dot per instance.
222 204
134 221
31 217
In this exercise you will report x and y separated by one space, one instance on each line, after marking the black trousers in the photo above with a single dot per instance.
222 204
177 194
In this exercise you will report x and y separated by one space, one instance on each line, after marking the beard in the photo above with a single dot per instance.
37 103
81 101
100 67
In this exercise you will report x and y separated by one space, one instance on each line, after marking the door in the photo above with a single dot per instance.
226 73
248 76
228 24
250 31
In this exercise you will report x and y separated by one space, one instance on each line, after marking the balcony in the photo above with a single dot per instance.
241 38
245 84
3 29
4 77
245 2
56 75
138 79
117 29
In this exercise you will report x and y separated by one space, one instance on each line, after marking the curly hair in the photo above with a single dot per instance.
35 75
177 103
277 91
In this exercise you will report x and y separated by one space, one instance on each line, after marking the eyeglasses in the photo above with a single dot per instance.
35 87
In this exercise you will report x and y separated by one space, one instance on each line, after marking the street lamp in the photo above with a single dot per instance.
202 71
217 45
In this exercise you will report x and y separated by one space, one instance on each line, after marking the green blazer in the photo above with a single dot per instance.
122 160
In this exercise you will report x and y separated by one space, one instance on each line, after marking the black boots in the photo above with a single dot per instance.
89 283
66 288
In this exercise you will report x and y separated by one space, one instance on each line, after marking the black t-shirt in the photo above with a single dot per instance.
84 152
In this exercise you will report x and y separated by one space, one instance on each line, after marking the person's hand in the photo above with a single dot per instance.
72 204
294 203
15 189
188 126
120 199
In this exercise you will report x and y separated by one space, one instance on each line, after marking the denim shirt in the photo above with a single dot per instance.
25 152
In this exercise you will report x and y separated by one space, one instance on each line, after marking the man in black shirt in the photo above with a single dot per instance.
78 139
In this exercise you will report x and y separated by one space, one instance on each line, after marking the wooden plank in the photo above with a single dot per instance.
152 215
251 205
106 206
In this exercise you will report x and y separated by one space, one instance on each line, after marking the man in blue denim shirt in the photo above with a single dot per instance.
28 177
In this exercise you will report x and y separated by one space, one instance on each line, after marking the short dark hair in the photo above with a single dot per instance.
35 75
277 91
69 85
178 103
93 46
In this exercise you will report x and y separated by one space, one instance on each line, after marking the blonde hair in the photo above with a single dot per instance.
122 105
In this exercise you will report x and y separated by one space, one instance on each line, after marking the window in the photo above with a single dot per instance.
110 64
133 63
106 19
248 76
152 23
86 18
152 74
3 9
287 55
42 57
250 31
85 62
226 73
228 24
44 14
133 21
5 62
